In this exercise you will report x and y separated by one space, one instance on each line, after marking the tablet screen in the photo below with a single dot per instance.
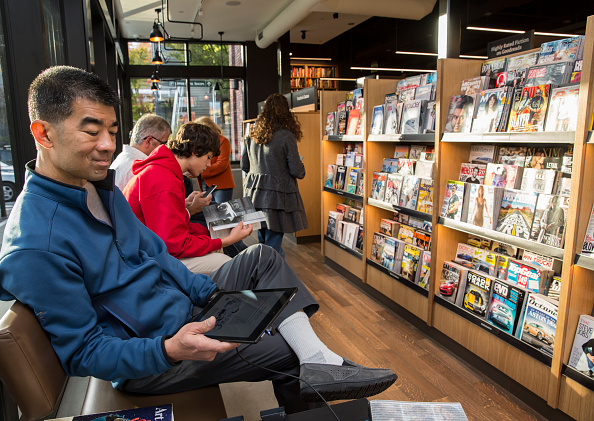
244 316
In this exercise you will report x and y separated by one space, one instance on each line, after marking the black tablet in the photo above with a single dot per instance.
244 316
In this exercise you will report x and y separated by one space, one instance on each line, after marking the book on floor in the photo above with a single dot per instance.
222 217
149 413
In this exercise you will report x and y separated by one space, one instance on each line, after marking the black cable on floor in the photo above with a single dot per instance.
289 375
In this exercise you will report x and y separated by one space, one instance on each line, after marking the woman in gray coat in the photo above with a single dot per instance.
271 160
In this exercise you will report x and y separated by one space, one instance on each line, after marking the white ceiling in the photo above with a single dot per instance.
242 20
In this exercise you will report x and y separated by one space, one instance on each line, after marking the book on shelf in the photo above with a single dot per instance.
378 186
377 120
453 200
482 154
561 50
393 189
452 276
389 253
377 247
516 213
148 413
563 109
529 109
557 73
429 117
341 116
353 215
422 240
330 176
352 179
425 196
350 234
484 202
339 231
460 114
545 157
472 173
401 151
476 293
223 217
424 270
528 275
539 181
550 218
554 288
409 192
389 227
359 242
505 307
491 104
522 61
412 116
581 357
410 262
340 179
391 118
353 121
334 218
424 169
501 175
539 323
343 208
512 155
588 245
406 234
330 120
406 166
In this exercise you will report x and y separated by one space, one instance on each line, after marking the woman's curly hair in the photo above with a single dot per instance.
275 116
195 139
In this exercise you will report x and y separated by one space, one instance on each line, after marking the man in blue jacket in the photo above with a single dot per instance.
114 303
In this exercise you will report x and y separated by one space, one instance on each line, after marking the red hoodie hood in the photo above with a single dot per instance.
162 157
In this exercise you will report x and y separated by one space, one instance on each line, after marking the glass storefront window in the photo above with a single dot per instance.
139 53
54 37
6 165
211 54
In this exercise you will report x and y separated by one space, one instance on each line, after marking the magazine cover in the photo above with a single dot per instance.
429 117
389 227
425 200
528 276
539 181
424 169
412 116
330 123
472 173
541 260
352 180
330 175
489 110
401 151
501 175
452 276
550 218
422 240
554 289
392 118
475 85
582 350
388 253
567 161
576 75
424 270
453 200
341 116
558 73
229 214
561 50
416 151
406 166
545 158
516 213
334 218
377 120
350 235
340 179
477 293
465 254
424 92
506 304
393 187
482 154
529 109
406 234
410 262
485 261
353 121
379 186
512 155
588 246
522 61
539 323
460 114
406 95
484 203
148 413
377 247
409 192
563 109
493 66
390 165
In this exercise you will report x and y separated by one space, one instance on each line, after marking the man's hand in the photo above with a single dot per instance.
237 233
196 201
189 343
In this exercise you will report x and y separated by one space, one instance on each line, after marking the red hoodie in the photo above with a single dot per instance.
156 195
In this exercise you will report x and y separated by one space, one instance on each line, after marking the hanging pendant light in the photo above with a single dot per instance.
155 76
157 58
156 34
154 86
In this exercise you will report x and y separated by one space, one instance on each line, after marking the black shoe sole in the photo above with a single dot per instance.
342 391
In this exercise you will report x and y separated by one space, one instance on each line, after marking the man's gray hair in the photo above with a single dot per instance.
149 125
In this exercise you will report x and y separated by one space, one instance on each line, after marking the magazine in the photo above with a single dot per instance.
477 293
529 109
482 154
505 309
383 410
582 349
550 218
563 109
539 323
149 413
539 181
516 213
452 276
412 116
453 200
561 50
460 114
392 118
377 120
377 247
425 200
409 192
227 215
329 130
489 110
548 158
558 73
512 155
501 175
484 204
472 173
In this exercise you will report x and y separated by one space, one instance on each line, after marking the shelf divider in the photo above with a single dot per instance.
584 261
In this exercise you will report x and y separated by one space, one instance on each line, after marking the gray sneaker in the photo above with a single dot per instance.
349 381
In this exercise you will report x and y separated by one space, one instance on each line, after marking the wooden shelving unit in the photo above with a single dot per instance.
306 75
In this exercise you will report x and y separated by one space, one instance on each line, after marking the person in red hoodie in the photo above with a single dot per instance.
156 195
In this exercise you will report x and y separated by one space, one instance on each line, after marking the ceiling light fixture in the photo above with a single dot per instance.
476 57
154 87
479 28
413 53
157 58
553 34
337 78
388 69
156 35
155 76
311 58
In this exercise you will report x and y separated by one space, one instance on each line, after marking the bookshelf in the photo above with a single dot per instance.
306 75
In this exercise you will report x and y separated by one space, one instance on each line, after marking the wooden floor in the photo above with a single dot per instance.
359 328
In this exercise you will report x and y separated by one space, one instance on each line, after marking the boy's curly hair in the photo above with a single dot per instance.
195 139
275 116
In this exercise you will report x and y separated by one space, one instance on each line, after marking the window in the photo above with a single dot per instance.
6 165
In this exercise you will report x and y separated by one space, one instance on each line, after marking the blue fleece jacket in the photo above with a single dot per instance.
106 296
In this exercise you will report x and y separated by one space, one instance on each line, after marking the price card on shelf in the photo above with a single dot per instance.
588 247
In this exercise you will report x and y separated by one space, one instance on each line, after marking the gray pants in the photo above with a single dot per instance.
258 267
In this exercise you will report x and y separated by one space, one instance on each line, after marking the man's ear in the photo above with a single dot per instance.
39 130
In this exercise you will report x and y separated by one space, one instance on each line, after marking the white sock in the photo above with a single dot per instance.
300 336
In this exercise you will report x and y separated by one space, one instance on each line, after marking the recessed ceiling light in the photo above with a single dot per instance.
415 53
233 3
511 31
393 69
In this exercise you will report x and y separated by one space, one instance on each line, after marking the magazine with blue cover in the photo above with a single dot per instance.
506 304
539 324
377 120
148 413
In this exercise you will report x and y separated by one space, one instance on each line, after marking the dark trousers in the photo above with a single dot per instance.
258 267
